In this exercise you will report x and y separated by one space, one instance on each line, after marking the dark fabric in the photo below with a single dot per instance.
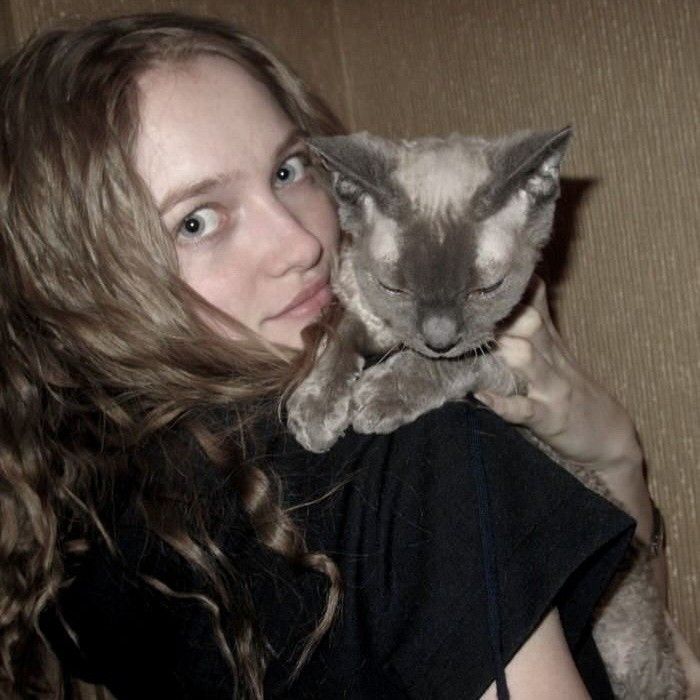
488 551
403 528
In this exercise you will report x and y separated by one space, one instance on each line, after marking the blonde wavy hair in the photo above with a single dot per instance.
103 346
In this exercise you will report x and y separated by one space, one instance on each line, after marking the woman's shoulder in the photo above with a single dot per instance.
406 528
434 462
441 448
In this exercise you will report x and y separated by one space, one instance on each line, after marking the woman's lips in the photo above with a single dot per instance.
308 302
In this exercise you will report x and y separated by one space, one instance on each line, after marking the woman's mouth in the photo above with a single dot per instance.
311 305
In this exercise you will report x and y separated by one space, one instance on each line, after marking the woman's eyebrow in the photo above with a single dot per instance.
199 187
292 137
192 189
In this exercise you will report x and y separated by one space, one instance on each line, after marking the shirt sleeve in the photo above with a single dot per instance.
410 550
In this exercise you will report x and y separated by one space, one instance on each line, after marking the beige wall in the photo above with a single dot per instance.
625 264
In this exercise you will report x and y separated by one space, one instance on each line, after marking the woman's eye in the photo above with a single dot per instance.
201 222
292 170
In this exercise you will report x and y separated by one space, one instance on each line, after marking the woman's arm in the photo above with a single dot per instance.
543 669
582 421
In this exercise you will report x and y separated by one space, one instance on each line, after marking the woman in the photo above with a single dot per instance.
159 529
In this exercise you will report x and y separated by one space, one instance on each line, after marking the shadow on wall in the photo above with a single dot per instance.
555 259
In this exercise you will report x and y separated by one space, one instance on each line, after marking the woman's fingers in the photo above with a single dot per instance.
538 296
532 321
529 324
532 348
544 382
523 358
531 412
514 409
548 336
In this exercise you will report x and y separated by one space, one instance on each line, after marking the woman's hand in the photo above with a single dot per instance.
563 406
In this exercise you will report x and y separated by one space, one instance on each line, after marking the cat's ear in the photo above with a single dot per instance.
530 161
359 164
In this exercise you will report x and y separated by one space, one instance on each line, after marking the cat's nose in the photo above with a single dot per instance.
440 348
439 333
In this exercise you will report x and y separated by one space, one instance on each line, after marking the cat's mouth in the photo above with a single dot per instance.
460 350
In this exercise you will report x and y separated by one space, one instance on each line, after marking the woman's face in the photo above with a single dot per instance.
229 172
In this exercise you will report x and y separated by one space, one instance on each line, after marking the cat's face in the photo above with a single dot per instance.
442 234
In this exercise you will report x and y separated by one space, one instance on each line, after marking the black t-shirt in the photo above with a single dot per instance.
403 526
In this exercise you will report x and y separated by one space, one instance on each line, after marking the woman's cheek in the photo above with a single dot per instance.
220 274
315 209
329 225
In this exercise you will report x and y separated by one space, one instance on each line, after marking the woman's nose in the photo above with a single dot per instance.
289 244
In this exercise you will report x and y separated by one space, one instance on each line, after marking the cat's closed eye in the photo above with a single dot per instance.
390 289
490 288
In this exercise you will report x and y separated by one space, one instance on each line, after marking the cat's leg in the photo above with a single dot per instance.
318 411
630 628
404 387
633 638
408 384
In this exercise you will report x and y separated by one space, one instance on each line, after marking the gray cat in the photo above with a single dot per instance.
440 239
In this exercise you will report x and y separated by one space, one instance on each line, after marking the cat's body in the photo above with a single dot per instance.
441 237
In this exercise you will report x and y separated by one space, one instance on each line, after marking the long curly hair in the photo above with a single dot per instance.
103 345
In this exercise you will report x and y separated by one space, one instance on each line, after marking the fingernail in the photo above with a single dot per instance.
484 398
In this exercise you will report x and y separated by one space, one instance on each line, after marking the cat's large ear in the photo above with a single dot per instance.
359 164
530 161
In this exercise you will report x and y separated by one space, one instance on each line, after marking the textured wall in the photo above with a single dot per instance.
625 264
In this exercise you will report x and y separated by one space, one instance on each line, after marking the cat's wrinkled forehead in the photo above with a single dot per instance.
440 176
449 201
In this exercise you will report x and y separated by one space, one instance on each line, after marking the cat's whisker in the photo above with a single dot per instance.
484 350
389 352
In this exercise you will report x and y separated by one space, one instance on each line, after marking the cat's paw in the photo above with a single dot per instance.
317 417
376 406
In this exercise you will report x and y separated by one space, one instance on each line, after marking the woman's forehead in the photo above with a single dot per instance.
205 91
202 118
